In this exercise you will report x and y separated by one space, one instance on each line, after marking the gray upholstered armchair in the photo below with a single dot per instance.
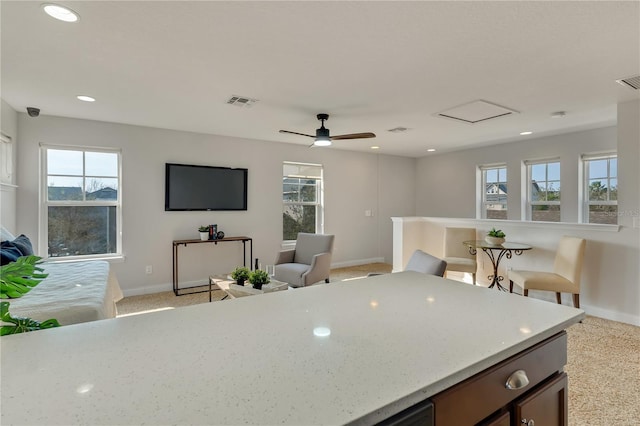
308 263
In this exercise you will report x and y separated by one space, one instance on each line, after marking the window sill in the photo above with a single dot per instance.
66 259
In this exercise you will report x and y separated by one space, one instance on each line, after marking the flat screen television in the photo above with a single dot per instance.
191 187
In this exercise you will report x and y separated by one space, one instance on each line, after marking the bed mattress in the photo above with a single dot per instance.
74 292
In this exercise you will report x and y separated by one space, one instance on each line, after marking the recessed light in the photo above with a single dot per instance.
558 114
375 147
61 13
85 98
431 150
525 133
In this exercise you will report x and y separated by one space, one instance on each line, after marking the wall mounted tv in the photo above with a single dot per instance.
190 187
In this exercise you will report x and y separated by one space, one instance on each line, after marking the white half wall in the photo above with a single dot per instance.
354 182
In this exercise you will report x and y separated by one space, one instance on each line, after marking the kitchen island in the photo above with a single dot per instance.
349 352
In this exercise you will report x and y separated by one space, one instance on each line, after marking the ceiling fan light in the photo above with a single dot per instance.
322 141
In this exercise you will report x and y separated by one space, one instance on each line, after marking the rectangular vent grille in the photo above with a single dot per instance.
632 82
241 101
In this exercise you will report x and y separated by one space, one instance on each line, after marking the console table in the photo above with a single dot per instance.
177 243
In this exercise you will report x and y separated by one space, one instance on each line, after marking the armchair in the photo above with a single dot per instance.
308 263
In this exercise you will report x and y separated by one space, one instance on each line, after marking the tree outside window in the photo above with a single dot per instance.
82 202
302 199
601 189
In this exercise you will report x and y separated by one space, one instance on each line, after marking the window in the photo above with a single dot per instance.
600 188
302 197
81 201
6 159
543 197
494 192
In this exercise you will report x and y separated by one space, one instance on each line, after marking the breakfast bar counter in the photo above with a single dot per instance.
354 352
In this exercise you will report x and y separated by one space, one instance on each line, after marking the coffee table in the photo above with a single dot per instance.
234 290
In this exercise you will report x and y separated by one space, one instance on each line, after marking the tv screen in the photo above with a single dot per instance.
190 187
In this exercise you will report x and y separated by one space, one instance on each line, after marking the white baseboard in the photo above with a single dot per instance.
357 262
158 288
611 315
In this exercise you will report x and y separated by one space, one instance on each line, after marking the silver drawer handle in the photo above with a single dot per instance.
517 380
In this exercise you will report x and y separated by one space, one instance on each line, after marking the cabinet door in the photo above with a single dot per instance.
546 405
503 419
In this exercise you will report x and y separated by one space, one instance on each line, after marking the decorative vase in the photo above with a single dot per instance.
204 236
240 282
257 286
496 241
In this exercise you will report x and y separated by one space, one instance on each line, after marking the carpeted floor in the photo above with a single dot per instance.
603 356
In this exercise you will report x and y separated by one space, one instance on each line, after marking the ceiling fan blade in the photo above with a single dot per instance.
296 133
354 136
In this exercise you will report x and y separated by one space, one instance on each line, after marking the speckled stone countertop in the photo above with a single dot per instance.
348 352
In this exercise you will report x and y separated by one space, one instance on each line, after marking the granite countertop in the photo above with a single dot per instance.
348 352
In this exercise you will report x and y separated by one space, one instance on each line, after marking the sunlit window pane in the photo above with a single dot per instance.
80 230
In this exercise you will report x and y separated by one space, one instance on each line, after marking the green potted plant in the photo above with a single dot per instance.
240 274
258 278
495 236
204 232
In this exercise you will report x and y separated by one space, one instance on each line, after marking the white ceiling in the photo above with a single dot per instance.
372 66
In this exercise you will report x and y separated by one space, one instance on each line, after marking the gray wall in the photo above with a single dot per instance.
354 182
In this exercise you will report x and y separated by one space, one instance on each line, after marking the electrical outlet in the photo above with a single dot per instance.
148 269
368 213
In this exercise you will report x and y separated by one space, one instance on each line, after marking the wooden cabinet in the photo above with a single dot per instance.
484 399
546 405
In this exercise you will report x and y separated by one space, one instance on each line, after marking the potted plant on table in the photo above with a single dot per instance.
204 232
495 237
240 274
258 278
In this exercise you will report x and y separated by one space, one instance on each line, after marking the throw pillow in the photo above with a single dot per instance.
23 244
8 253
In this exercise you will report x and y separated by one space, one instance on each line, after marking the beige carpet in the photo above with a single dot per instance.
603 356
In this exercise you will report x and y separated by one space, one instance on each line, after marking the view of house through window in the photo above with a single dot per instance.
302 199
81 201
494 192
544 191
601 188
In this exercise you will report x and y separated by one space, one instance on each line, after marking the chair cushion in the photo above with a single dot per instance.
461 264
291 273
308 245
535 280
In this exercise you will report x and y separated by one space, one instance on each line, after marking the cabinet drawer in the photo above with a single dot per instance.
470 401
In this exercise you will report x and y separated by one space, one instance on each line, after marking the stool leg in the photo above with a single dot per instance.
510 286
558 298
474 278
525 293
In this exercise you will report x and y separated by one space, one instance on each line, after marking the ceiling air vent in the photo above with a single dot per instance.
632 82
398 129
241 101
476 112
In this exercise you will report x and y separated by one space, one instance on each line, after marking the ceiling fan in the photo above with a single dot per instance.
322 137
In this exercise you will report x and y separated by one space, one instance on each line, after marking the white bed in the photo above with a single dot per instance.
74 292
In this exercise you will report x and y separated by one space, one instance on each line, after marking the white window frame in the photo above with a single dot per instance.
6 156
529 185
45 203
584 197
319 203
482 192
